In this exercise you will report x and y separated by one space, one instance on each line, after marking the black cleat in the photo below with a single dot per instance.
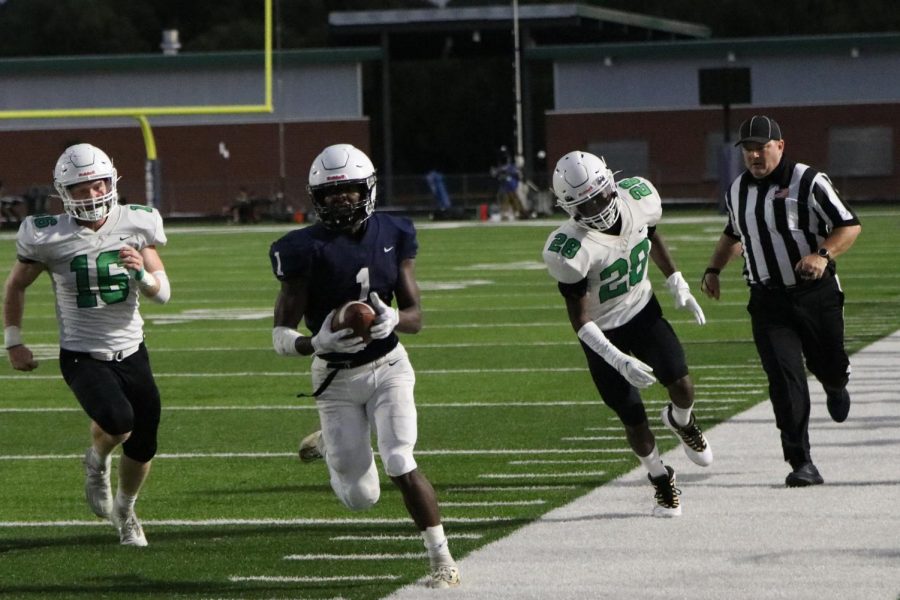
805 475
838 403
667 501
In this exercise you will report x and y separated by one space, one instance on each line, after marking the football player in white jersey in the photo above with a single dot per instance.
100 257
599 259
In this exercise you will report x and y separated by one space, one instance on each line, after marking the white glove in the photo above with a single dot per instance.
681 292
386 318
328 341
636 372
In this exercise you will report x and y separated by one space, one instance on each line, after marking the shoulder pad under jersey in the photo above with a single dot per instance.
642 198
566 259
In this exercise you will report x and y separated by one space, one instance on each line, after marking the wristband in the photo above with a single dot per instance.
284 340
12 337
145 280
711 271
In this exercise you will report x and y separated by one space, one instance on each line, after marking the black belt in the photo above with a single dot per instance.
335 367
350 364
770 286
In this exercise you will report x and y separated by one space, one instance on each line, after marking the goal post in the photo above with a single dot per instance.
141 113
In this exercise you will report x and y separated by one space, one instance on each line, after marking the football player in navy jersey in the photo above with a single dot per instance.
101 256
353 253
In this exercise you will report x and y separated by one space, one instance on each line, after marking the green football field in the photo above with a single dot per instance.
510 425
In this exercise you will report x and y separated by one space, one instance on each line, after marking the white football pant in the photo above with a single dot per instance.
376 396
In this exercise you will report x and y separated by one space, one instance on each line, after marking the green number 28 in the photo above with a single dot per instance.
623 274
564 245
113 288
636 188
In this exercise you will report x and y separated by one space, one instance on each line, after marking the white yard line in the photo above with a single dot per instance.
245 522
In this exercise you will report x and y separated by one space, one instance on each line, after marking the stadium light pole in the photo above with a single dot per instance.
279 109
517 68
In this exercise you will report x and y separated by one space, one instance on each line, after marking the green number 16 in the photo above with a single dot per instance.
113 288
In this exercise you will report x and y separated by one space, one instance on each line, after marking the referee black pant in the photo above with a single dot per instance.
788 325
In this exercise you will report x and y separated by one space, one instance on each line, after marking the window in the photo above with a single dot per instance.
723 161
860 151
631 157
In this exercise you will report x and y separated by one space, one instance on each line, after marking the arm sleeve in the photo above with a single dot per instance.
573 290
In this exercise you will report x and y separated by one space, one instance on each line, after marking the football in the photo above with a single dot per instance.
356 315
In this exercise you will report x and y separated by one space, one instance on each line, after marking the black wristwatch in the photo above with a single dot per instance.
824 253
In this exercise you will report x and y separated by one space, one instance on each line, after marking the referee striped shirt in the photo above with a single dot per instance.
781 218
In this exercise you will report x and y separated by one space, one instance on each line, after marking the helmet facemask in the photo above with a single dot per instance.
89 209
586 189
344 215
600 211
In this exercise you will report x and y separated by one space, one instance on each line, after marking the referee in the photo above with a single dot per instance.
790 224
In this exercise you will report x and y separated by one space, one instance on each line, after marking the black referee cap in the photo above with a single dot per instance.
759 129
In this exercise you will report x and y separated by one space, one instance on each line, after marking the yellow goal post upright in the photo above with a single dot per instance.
141 113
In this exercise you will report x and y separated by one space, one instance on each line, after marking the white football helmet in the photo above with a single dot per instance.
342 168
80 163
585 188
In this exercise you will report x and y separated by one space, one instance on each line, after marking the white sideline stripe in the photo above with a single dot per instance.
513 488
242 522
541 475
400 538
592 438
486 452
383 556
745 517
310 579
495 503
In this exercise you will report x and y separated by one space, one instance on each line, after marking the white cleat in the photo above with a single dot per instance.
692 439
96 484
444 577
130 531
312 447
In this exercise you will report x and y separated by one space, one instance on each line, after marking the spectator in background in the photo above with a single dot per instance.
241 208
36 199
508 176
9 208
438 189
